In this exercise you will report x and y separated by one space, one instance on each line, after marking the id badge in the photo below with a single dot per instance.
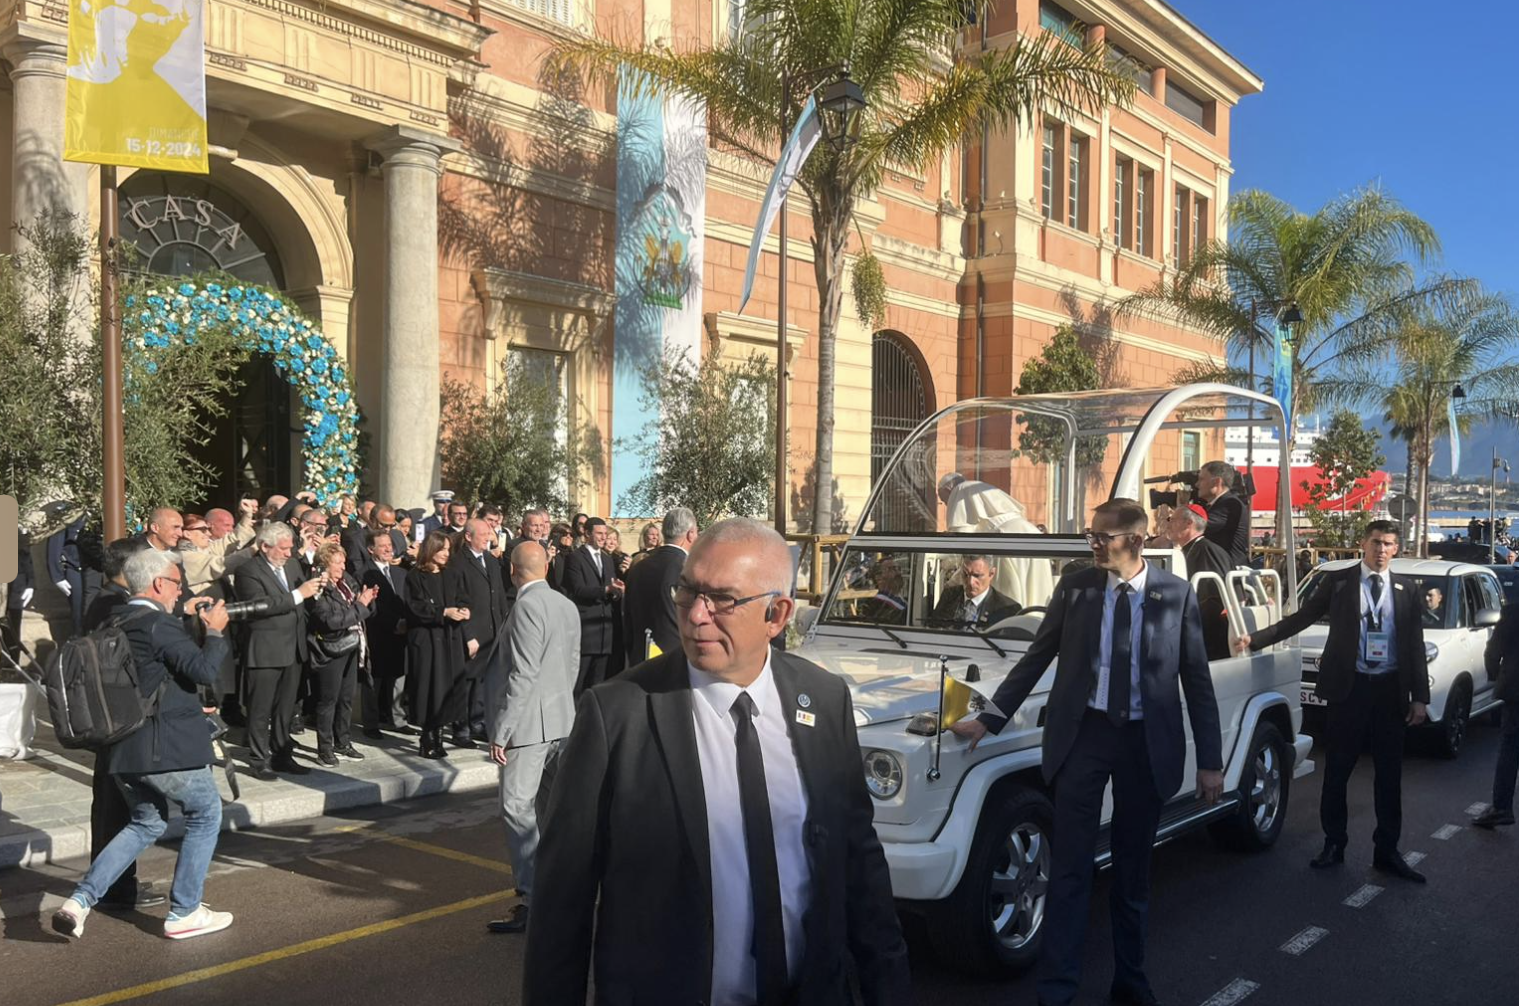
1378 646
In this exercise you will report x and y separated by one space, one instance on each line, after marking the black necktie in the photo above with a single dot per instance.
1121 660
764 876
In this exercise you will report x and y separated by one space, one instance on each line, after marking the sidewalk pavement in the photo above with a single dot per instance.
45 801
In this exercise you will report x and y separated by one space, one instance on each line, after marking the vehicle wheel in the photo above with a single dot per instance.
1263 788
994 920
1452 727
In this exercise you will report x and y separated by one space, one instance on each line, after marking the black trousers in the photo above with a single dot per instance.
381 705
593 671
1375 708
334 682
10 631
271 704
1101 752
109 814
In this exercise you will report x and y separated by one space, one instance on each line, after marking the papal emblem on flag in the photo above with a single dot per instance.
136 91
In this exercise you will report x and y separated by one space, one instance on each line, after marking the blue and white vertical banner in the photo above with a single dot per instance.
809 129
1281 375
1455 437
661 213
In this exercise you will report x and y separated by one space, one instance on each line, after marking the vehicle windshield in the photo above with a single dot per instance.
1440 606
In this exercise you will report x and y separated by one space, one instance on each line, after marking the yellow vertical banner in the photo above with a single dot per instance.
137 84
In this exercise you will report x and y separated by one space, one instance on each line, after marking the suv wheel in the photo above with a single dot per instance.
994 920
1452 728
1263 785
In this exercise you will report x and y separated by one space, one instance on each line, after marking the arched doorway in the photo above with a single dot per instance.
901 397
182 226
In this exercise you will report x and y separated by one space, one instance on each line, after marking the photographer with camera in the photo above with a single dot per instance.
168 757
1217 490
274 647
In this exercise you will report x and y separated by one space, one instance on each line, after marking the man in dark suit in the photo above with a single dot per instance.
356 541
274 647
1228 512
1502 659
1185 528
1129 640
709 823
380 698
591 582
67 572
1375 676
647 607
974 602
18 595
473 580
535 528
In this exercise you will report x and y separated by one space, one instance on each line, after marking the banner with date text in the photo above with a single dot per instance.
137 84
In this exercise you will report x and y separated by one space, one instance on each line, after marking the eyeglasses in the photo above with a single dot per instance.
717 604
388 527
198 527
176 580
1105 539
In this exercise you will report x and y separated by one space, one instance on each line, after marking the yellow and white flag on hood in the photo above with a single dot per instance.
136 93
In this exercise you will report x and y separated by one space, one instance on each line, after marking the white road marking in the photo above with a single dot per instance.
1302 941
1413 858
1446 832
1362 898
1475 809
1234 992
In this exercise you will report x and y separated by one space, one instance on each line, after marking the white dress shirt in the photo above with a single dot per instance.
595 554
733 978
1382 615
1099 699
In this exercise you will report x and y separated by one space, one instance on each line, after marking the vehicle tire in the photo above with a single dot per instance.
994 920
1450 735
1263 788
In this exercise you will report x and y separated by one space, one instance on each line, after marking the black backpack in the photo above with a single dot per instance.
93 690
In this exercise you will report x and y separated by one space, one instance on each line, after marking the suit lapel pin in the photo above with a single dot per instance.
1154 595
804 700
806 719
1397 586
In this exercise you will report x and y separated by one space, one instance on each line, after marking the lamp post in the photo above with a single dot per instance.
840 99
1492 507
1457 396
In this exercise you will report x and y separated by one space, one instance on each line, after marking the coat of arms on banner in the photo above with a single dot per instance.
664 251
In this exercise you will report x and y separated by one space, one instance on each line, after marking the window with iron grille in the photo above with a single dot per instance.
1143 185
1178 216
1199 222
563 11
1121 173
1047 177
1075 149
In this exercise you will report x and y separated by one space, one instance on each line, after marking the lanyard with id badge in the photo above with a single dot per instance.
1378 641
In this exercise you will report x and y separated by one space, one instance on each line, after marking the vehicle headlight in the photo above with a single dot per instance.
883 774
1431 651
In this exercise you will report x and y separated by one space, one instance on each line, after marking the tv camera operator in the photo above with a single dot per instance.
1216 485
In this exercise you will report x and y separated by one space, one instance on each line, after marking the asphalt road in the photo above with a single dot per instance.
390 905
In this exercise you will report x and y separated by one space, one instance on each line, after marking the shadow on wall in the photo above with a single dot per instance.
803 497
1094 330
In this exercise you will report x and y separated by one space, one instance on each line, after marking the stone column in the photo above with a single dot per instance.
40 179
406 461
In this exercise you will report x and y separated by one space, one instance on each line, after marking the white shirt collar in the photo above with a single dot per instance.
1367 573
980 597
1137 582
477 555
720 695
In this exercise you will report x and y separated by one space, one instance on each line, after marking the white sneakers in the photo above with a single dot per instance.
69 920
200 922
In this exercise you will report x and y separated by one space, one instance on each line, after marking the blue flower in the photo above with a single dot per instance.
151 367
187 288
236 293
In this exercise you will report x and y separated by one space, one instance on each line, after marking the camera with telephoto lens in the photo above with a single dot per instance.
239 611
1172 498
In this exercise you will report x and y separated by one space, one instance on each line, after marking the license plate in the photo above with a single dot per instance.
1310 698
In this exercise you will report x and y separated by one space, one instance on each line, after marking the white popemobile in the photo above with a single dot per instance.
966 833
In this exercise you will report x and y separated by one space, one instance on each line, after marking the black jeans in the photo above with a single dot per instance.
1508 759
1375 707
334 683
1101 751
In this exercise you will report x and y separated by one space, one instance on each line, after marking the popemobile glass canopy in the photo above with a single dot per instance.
1038 464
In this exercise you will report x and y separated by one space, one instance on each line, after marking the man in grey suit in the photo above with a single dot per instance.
534 712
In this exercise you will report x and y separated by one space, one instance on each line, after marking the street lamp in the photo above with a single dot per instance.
840 100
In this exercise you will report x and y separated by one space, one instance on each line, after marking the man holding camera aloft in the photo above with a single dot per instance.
1228 512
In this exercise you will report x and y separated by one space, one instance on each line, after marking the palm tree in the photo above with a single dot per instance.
1345 266
1472 345
919 105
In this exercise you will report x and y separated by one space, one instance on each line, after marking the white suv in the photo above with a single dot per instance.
1461 604
967 834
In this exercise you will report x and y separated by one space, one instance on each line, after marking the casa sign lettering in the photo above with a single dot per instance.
149 213
184 233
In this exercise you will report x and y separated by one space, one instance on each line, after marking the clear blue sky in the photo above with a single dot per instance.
1413 96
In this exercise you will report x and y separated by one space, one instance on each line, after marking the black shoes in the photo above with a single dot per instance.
1492 817
144 899
265 773
1333 855
327 758
1131 995
373 734
1392 863
351 753
516 922
290 766
431 745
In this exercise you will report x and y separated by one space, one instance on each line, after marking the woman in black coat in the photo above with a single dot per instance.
334 618
434 647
